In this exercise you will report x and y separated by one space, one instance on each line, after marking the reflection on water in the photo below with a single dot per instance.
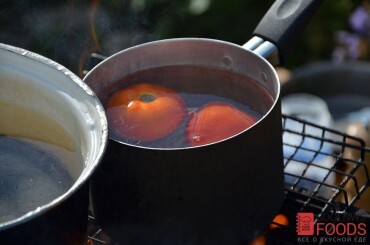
39 160
30 176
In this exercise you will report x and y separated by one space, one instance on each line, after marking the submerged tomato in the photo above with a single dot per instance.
216 121
145 112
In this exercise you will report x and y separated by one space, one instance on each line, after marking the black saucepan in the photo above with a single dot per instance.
221 193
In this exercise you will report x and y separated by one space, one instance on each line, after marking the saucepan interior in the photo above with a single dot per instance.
191 65
43 102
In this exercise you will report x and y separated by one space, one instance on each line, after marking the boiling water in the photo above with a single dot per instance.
197 86
39 160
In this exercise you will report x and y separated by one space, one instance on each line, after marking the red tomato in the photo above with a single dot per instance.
145 112
216 121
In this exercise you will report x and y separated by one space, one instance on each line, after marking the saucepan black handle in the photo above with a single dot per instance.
284 22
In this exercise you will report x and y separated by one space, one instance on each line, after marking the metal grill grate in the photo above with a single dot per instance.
325 173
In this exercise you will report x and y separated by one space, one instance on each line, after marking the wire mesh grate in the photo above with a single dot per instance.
325 174
324 171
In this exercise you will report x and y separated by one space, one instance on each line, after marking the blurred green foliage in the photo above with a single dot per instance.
64 30
235 20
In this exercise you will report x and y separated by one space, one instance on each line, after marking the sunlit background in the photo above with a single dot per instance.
68 31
